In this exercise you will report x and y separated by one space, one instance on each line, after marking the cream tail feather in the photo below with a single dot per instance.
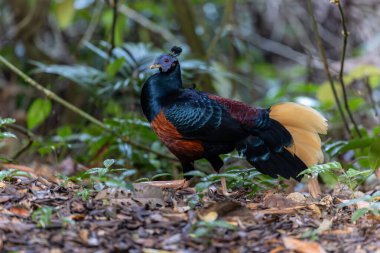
304 124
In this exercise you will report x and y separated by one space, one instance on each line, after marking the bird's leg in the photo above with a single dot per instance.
187 167
218 165
313 186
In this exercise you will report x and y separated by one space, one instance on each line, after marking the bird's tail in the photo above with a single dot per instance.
304 124
290 144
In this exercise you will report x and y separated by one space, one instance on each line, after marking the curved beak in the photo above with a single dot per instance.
155 66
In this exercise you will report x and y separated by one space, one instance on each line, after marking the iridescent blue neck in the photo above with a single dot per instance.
157 89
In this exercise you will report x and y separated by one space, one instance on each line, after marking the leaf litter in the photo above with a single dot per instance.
37 214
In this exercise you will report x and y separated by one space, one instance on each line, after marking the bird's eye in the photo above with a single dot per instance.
166 60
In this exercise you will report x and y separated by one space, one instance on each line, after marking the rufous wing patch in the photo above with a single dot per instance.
169 135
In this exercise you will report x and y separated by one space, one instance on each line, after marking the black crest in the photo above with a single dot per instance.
175 51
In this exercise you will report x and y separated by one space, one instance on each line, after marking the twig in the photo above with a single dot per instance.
370 94
114 4
143 21
345 97
95 17
25 132
228 9
75 109
326 65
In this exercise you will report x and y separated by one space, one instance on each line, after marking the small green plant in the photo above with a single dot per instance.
154 177
237 178
4 122
315 170
67 221
7 175
202 229
101 177
42 216
84 193
371 204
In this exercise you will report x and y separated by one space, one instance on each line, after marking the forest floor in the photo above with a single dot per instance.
40 215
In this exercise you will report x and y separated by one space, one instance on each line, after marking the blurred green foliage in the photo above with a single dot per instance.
263 54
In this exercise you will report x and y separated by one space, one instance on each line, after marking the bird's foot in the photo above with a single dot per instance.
225 189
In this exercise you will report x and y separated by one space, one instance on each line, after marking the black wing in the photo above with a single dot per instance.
196 116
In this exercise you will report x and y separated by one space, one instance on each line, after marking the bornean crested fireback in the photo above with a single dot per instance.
280 140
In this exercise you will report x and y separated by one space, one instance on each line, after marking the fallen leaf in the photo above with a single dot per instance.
277 249
174 184
277 200
147 250
302 246
143 194
20 211
288 210
296 197
4 198
211 216
83 234
326 201
338 231
315 209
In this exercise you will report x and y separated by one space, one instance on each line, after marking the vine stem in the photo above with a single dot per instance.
326 66
342 59
51 95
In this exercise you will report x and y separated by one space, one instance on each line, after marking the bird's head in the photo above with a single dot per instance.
167 62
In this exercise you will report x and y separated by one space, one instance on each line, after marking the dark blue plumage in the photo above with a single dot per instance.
197 125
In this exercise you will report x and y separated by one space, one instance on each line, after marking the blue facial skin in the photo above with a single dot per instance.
165 62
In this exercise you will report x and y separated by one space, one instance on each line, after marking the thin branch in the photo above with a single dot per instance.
95 17
75 109
326 65
114 4
143 21
370 95
228 9
28 135
342 59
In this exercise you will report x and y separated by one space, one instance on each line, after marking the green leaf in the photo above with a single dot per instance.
374 154
321 168
199 187
7 135
108 163
200 232
195 173
359 213
38 112
222 224
80 74
115 66
6 121
161 175
64 12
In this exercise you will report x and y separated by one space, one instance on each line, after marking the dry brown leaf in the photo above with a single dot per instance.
288 210
143 194
302 246
315 209
338 231
326 201
277 249
253 206
277 200
83 234
147 250
211 216
20 211
4 198
173 184
296 197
